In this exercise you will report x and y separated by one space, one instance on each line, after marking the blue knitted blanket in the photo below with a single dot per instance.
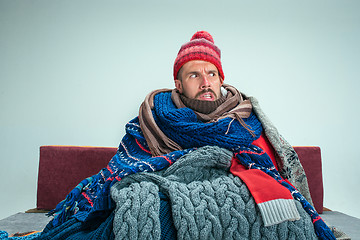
91 198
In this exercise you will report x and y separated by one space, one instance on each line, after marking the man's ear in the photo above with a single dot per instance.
178 85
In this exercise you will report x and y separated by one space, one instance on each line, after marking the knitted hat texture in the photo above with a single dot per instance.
200 47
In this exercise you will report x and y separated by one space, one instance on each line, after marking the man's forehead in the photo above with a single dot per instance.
199 64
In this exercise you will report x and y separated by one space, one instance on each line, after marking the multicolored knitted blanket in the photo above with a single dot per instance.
91 198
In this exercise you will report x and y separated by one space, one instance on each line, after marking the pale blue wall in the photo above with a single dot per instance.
74 72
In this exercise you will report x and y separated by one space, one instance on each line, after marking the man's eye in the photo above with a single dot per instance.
212 74
193 76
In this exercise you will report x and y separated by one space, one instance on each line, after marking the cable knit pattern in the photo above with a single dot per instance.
137 211
207 201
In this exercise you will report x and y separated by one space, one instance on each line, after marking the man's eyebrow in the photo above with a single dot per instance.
213 71
193 72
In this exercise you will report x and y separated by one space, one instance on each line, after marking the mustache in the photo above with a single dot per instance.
205 91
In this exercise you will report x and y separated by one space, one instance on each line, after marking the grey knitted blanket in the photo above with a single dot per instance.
207 202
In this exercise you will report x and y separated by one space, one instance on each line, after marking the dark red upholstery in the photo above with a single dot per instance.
61 168
310 158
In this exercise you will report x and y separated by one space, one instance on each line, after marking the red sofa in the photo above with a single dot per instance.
61 168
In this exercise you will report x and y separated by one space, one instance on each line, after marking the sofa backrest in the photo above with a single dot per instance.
61 168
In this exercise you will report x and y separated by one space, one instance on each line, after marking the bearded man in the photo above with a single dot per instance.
201 161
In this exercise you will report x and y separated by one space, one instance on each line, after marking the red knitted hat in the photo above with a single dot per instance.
200 47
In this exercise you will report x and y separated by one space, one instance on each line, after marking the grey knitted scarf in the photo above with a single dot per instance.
207 202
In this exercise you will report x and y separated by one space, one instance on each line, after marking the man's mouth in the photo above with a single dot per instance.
206 95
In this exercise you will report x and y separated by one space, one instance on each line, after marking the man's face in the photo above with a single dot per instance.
199 80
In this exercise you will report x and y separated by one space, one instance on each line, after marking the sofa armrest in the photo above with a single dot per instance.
310 158
61 168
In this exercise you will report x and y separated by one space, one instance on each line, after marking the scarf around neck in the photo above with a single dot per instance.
171 113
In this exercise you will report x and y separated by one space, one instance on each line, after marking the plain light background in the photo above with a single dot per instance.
74 72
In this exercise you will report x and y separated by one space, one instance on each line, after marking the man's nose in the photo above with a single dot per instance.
205 82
